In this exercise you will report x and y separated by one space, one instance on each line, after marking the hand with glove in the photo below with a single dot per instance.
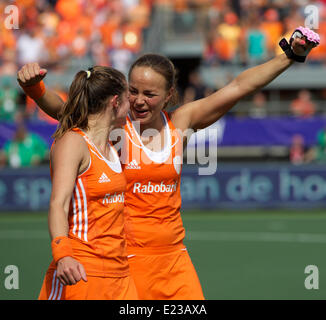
301 43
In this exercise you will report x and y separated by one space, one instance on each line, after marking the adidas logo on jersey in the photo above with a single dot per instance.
133 165
104 178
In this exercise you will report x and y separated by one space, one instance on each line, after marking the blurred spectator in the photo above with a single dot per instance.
196 84
70 10
31 47
321 146
3 159
121 59
8 99
100 53
259 106
209 55
184 18
227 38
9 65
297 150
273 28
189 95
196 89
289 25
303 106
256 43
318 152
139 12
25 149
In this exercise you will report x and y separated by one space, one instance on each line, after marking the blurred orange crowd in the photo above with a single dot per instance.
249 33
51 31
111 32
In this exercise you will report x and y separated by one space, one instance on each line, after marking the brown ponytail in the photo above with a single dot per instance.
88 94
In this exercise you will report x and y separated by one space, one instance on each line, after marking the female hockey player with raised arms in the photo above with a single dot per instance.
158 259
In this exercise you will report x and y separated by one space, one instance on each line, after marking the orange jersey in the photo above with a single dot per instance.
153 199
96 220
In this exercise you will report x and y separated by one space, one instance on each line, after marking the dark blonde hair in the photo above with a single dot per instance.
88 94
164 67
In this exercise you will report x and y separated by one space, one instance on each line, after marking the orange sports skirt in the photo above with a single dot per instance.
164 274
96 288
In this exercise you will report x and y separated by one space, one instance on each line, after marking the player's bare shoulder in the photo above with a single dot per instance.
70 147
181 117
71 139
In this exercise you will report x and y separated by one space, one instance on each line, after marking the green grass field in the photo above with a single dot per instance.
244 255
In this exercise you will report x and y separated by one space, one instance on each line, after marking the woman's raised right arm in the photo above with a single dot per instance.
30 78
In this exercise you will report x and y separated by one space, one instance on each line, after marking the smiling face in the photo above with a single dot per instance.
148 96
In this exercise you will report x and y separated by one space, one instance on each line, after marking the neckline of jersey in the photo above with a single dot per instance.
115 166
157 156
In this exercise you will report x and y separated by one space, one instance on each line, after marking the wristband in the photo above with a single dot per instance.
61 247
35 91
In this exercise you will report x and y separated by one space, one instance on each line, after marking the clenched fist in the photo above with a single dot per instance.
30 74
